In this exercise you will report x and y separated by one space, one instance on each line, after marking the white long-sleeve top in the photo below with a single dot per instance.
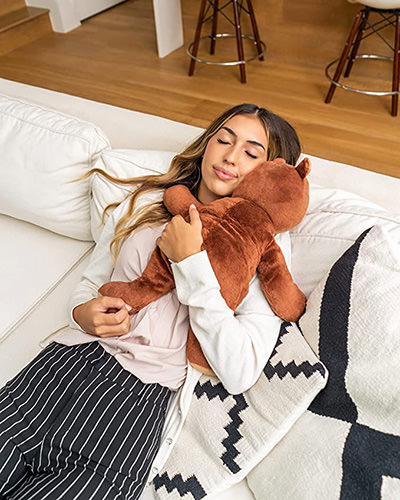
237 344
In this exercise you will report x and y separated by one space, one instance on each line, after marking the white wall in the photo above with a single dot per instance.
66 15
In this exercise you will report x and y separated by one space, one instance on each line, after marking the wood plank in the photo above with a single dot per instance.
112 58
23 33
7 6
21 16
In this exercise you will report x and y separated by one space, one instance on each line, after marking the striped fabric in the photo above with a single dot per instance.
75 425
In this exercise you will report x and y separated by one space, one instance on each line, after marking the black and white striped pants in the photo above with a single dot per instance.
75 425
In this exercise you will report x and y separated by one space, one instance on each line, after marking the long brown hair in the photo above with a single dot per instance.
185 169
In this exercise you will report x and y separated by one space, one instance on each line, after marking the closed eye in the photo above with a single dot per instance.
220 141
251 156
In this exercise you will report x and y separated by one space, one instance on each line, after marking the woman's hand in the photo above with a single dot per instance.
181 239
93 318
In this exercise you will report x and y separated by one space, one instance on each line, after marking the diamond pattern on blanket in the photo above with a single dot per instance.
346 446
225 435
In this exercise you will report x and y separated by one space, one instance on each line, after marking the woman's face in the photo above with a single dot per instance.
234 151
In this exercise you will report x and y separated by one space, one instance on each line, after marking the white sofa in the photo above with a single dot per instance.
45 223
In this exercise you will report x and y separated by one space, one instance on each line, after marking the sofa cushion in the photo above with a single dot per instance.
122 163
42 151
34 261
347 443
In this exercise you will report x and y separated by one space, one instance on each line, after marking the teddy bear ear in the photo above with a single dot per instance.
304 168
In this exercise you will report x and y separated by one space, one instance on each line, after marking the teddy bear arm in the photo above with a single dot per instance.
285 298
178 199
156 281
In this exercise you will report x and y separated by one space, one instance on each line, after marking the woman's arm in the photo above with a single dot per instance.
88 312
236 344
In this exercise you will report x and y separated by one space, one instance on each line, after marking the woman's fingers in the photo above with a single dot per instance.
111 324
93 318
113 303
195 220
113 330
181 239
113 318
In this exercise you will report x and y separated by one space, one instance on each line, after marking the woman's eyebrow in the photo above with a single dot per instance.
255 143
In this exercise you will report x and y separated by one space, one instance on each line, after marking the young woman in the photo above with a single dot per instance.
96 414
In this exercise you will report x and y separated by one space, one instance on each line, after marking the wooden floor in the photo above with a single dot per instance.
112 58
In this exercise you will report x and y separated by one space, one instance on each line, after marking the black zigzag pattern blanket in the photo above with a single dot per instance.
347 445
225 435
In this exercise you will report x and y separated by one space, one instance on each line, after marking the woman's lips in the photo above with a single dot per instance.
223 174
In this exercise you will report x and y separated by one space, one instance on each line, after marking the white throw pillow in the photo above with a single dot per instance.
347 443
41 152
123 163
333 222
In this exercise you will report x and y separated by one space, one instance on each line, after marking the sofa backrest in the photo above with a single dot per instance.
134 130
42 153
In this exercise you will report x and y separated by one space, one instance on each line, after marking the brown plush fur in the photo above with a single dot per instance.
238 234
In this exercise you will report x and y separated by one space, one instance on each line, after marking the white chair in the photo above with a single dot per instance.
388 13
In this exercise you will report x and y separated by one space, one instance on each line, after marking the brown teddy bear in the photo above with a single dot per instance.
238 234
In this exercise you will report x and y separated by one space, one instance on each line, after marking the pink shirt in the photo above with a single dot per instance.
155 348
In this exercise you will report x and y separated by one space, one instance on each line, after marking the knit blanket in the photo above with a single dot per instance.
346 446
225 436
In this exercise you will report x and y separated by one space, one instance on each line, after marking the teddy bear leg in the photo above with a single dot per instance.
283 295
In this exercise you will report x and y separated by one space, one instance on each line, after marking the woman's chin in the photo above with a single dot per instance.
223 191
218 189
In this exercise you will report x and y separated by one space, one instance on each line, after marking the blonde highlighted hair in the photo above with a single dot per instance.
185 169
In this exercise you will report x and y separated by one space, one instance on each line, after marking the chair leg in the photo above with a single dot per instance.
197 36
255 28
214 27
395 85
343 58
356 45
239 41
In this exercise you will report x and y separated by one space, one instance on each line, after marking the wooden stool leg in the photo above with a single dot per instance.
395 85
345 53
255 28
197 36
357 42
214 27
239 41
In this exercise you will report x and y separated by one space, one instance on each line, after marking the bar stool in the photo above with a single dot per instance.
389 14
238 8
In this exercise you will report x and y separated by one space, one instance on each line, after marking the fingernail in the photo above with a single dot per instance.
128 307
192 205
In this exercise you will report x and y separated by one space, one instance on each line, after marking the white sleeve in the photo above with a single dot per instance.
101 264
100 267
237 344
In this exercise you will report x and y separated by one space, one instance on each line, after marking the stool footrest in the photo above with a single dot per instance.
217 10
355 89
226 63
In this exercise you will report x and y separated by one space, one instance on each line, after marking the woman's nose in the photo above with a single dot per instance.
231 155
